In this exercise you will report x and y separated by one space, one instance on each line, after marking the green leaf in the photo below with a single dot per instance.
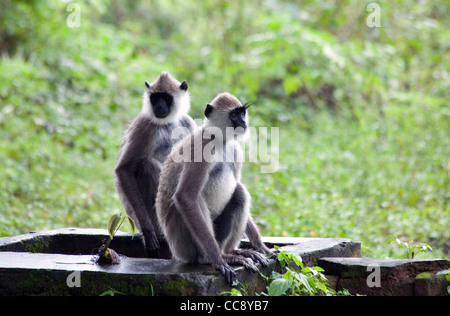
113 222
297 260
283 258
279 286
111 293
322 286
276 275
133 227
288 275
319 269
306 270
108 293
305 280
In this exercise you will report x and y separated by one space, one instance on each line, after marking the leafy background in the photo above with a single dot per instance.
363 112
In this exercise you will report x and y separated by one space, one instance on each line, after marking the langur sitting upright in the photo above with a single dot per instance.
202 206
146 144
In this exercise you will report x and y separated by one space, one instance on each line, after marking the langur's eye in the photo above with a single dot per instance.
243 114
233 115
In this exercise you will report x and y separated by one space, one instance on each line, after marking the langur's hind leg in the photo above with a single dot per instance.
147 178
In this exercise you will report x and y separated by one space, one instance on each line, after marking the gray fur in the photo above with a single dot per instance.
194 197
145 146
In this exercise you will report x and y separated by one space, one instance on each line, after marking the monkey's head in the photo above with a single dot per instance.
166 99
227 111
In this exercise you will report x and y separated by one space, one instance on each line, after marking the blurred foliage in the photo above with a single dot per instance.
364 112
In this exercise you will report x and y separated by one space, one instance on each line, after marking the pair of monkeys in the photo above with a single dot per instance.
198 205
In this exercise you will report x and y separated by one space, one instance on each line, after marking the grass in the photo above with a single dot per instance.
338 178
362 181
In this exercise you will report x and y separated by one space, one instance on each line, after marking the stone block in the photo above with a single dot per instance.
42 263
430 284
383 277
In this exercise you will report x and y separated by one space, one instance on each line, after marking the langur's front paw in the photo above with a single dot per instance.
226 270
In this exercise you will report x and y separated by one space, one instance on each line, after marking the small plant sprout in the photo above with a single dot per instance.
410 250
116 221
106 254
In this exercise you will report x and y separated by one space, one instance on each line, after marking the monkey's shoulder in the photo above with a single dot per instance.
140 123
166 136
187 122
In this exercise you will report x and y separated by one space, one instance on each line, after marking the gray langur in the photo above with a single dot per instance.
146 144
202 206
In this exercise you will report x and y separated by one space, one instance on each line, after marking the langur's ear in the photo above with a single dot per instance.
184 86
208 110
147 84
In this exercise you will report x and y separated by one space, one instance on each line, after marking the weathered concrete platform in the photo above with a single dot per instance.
73 241
388 277
42 263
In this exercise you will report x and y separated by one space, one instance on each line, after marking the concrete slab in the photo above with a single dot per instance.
35 264
388 277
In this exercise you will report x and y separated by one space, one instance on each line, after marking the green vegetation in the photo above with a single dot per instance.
297 280
301 281
410 250
363 112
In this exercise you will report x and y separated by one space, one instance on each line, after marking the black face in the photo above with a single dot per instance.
161 102
237 117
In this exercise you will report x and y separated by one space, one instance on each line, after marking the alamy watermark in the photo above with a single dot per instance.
74 279
374 278
374 18
74 18
210 147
